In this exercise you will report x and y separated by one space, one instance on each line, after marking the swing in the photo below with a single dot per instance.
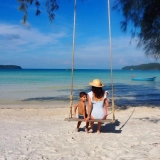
70 118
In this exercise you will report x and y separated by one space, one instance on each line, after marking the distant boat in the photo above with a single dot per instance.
144 79
68 69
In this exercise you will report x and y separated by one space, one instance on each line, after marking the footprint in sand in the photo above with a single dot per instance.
70 132
71 140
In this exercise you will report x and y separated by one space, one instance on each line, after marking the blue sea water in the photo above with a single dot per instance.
34 86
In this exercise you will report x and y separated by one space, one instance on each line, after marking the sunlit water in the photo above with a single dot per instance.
47 86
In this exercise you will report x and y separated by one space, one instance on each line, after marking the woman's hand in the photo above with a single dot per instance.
105 116
87 119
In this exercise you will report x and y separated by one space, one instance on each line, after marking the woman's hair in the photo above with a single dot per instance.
98 92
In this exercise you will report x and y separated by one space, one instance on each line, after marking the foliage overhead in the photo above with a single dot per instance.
145 17
51 6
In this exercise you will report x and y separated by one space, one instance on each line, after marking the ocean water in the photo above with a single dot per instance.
47 86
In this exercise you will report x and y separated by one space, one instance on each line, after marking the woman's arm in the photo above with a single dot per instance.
105 110
106 102
89 107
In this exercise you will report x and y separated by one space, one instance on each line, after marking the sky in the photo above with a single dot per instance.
41 44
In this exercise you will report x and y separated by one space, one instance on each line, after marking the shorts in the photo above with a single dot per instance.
81 116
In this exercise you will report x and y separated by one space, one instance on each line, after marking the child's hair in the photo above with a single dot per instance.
81 94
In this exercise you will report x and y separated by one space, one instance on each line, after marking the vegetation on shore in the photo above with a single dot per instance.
149 66
10 67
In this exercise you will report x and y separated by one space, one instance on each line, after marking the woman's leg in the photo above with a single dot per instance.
104 117
92 124
99 127
91 129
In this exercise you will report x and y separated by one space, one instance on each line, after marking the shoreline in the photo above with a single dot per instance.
62 104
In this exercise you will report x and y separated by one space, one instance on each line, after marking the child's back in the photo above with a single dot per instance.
82 110
82 113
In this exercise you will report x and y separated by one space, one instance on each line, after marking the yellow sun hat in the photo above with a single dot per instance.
96 83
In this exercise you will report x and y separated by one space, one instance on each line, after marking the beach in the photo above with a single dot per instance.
40 133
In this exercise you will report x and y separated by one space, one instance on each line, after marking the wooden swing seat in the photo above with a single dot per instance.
93 120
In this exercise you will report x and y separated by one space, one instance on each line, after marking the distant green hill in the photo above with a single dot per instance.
150 66
10 67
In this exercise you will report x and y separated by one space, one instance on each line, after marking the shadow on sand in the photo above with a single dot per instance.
111 127
108 128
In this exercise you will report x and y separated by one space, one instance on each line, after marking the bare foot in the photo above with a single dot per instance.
98 132
86 130
76 129
90 131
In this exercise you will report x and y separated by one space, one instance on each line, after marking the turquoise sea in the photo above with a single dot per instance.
47 86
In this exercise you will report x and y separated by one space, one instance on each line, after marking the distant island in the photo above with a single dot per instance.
149 66
10 67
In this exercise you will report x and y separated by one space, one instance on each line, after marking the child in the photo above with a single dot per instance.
82 113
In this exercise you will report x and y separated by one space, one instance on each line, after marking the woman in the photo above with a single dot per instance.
97 103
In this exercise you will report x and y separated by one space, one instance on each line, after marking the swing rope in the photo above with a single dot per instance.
110 41
73 46
72 75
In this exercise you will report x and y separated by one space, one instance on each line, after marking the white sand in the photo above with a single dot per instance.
42 134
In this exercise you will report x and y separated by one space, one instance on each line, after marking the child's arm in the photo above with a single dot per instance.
84 111
75 108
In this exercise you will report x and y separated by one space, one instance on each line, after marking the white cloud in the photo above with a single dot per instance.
16 36
96 53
